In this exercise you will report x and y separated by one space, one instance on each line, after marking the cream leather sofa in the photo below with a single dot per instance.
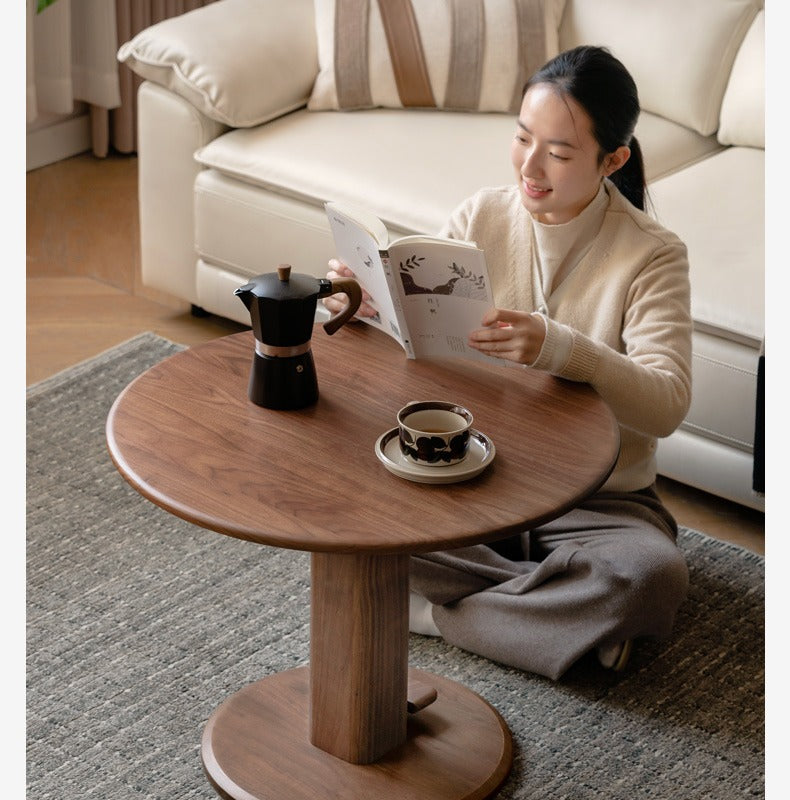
234 170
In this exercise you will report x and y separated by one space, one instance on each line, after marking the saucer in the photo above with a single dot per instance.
481 454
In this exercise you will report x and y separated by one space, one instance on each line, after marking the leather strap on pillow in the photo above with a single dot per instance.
466 55
406 53
531 43
351 53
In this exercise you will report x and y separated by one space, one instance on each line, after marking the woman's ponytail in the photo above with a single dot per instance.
630 178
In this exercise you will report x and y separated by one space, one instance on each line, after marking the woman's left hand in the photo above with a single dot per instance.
515 335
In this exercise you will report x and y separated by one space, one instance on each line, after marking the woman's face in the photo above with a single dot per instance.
556 156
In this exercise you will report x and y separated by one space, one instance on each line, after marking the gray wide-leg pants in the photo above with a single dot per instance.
605 572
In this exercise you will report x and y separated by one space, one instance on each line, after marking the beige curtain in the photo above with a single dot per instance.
132 17
71 56
71 48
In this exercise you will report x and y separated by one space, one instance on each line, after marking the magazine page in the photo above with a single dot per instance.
358 239
445 291
419 238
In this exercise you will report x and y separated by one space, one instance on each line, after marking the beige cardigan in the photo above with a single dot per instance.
621 314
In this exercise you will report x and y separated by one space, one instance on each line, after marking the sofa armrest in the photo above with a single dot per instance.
169 130
239 62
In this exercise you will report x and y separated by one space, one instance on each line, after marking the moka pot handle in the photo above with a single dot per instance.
354 293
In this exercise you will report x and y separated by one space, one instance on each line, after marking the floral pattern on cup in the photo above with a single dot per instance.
434 432
432 449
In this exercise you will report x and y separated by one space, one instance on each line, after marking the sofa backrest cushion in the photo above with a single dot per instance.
680 52
470 55
239 62
743 108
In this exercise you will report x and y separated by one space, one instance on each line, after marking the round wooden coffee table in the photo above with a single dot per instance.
185 435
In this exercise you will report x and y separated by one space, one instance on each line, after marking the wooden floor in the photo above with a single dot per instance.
84 296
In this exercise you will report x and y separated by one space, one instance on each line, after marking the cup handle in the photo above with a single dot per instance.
354 292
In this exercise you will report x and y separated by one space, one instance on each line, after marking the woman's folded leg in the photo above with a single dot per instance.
606 572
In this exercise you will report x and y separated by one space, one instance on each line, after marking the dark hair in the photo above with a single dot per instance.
604 88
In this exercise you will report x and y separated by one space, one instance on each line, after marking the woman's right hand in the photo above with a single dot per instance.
336 302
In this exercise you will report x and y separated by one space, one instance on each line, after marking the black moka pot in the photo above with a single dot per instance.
282 313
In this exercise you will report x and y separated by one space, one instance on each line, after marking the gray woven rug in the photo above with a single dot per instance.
140 624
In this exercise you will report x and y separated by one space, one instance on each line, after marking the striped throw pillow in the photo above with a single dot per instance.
465 55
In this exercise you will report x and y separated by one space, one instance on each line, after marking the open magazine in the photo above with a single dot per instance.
429 292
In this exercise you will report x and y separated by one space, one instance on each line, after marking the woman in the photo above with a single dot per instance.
588 287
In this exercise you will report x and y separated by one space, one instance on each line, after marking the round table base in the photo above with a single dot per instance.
256 746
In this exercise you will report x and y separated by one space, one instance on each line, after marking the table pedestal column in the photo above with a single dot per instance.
340 727
359 639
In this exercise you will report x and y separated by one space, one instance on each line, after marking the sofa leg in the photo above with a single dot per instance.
198 311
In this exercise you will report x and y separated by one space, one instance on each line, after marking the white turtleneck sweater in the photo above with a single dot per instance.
612 287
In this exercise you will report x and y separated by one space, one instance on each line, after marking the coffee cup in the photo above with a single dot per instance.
434 433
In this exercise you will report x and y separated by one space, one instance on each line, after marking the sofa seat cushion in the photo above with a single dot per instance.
725 235
236 223
365 158
723 368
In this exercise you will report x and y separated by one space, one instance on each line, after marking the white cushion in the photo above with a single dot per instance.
668 147
239 62
414 189
472 55
723 368
365 158
247 230
743 108
680 52
717 207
